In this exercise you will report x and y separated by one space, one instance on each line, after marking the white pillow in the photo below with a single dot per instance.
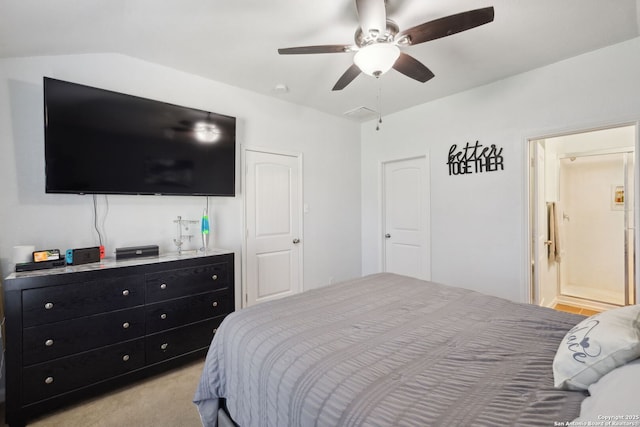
615 394
596 346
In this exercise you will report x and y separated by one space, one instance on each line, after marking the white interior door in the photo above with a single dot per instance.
406 218
545 273
273 197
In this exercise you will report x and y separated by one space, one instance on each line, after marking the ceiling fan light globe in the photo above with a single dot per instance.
376 59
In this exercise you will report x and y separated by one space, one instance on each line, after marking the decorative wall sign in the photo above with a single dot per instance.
475 158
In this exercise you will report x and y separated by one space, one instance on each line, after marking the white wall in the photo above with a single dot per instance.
29 216
478 221
594 141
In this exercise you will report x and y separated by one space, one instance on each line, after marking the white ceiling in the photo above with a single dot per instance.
236 41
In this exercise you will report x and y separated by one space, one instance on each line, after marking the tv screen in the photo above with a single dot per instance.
103 142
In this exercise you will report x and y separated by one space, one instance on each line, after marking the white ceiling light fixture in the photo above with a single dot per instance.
281 89
376 59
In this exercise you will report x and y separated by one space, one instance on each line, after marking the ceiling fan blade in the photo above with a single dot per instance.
348 76
372 16
329 48
411 67
448 25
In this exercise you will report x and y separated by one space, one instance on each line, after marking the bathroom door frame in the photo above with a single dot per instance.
530 276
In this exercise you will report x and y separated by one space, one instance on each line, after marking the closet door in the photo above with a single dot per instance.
273 206
406 218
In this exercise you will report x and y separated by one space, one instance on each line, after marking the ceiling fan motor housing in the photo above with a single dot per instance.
389 35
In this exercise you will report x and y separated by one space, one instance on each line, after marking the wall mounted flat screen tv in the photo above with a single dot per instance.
103 142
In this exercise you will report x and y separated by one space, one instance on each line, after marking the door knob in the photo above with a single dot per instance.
387 236
296 241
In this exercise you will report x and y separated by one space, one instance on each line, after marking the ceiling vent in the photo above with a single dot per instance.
361 114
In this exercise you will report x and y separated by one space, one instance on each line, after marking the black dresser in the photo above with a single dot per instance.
75 332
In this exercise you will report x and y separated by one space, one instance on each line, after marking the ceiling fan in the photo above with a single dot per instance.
378 41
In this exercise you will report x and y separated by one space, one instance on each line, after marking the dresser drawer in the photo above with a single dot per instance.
69 373
186 281
56 303
181 311
46 342
165 345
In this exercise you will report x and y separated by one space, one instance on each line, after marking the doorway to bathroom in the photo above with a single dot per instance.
582 218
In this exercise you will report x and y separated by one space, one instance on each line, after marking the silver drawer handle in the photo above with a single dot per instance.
48 343
125 358
163 316
163 286
48 306
48 380
125 292
164 346
215 303
214 277
126 325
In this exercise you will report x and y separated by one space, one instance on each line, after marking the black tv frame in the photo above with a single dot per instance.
99 141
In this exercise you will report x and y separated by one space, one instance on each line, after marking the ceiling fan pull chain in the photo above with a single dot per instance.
379 105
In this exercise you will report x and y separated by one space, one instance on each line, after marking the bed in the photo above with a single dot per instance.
388 350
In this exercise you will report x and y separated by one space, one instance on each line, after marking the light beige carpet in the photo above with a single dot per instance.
161 401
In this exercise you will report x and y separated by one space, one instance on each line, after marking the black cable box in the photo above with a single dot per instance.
137 252
42 265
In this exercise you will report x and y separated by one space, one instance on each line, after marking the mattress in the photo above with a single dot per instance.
388 350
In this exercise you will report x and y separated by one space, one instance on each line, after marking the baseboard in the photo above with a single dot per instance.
584 303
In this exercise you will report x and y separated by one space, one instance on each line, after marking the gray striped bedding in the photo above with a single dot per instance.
388 350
